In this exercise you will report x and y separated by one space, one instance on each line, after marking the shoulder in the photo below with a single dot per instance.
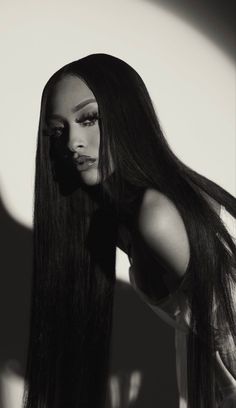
158 214
155 206
162 228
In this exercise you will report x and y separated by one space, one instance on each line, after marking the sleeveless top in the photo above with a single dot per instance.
174 310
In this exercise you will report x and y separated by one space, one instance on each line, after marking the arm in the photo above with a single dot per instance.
163 231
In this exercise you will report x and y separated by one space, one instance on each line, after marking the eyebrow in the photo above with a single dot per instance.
80 105
83 104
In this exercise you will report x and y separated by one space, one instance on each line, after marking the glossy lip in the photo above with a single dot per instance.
84 162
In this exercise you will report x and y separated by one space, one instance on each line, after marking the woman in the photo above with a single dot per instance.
106 177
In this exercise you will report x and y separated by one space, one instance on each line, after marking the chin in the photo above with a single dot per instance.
90 177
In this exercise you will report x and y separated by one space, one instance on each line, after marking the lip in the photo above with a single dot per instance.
85 162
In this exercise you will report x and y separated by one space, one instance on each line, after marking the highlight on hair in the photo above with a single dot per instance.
74 267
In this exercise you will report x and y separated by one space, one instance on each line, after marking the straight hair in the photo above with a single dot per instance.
74 267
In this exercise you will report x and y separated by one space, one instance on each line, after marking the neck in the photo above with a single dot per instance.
123 199
100 193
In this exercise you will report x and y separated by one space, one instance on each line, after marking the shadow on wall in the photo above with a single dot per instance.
15 282
143 355
215 19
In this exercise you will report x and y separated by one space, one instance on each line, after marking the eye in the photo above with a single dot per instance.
88 119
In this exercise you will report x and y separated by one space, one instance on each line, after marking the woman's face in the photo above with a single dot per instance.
74 117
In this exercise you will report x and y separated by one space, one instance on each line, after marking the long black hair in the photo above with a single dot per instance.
74 270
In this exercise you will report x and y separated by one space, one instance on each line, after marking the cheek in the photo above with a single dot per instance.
94 138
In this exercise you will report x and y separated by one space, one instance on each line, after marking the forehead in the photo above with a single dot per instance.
68 92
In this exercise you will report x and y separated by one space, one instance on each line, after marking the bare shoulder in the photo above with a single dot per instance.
157 207
162 228
156 210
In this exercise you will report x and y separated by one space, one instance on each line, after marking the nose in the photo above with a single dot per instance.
76 141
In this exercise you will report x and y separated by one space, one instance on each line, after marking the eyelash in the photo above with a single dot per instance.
91 117
87 119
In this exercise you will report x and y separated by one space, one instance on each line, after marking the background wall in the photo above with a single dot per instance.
184 53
